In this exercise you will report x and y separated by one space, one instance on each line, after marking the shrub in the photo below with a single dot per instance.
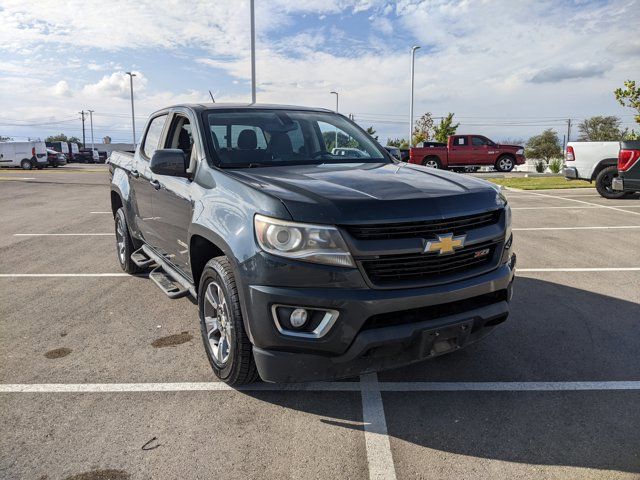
555 165
540 166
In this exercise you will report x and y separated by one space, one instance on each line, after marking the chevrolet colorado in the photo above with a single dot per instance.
308 265
467 152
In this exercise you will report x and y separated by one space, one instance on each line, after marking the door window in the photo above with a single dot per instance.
151 139
479 141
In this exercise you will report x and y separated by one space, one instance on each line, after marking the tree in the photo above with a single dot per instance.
629 97
372 132
423 129
397 142
63 138
445 129
544 146
5 139
600 129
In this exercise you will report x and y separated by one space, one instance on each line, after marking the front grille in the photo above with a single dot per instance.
423 229
433 312
386 270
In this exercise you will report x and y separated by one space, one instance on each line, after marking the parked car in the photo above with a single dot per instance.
594 162
27 155
349 152
468 151
308 265
73 151
61 147
87 155
394 151
55 159
404 154
102 156
628 179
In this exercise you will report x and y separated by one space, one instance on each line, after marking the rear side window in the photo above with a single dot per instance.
152 137
460 141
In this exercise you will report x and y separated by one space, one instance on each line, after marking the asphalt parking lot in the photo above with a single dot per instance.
102 376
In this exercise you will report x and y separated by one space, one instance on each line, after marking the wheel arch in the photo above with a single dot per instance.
601 165
203 246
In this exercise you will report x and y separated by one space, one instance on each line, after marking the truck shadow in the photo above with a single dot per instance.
555 333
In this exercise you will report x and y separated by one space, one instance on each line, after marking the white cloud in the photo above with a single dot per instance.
115 85
61 89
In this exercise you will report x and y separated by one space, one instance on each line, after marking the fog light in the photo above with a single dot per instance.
298 318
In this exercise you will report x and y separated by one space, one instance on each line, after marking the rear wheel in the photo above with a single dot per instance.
26 164
432 162
604 183
124 244
505 164
225 340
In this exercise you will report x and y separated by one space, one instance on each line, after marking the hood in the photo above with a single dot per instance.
513 147
371 192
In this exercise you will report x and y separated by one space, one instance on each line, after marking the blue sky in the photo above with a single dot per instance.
507 69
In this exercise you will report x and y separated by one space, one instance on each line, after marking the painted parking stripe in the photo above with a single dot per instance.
53 275
63 234
578 201
103 212
323 387
575 228
596 269
379 457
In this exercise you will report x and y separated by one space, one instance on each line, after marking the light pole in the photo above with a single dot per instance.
413 61
91 121
336 94
253 54
133 116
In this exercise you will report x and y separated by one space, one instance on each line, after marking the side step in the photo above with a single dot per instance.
167 284
170 281
141 259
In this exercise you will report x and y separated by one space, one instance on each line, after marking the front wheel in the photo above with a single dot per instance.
604 182
505 164
225 340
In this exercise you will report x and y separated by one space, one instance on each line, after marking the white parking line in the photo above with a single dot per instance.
596 269
110 213
62 234
46 275
365 385
575 228
379 457
578 201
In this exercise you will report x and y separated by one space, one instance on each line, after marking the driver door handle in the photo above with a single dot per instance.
135 173
155 183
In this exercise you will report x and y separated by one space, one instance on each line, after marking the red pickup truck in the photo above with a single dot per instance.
468 152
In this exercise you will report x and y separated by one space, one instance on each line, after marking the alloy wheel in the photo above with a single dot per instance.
217 323
120 241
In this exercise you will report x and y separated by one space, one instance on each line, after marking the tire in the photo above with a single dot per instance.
432 162
505 163
124 244
26 164
232 358
603 183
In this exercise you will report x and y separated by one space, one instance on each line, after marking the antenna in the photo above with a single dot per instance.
211 94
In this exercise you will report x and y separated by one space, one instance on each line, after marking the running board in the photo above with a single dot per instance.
170 281
141 259
170 288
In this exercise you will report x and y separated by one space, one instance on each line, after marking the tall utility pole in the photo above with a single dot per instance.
336 94
83 142
568 130
133 115
253 55
413 61
91 120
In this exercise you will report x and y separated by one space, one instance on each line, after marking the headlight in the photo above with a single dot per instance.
301 241
520 151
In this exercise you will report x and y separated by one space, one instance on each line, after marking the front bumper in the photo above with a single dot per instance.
570 172
353 346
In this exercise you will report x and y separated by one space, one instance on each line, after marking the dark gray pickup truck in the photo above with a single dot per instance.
309 265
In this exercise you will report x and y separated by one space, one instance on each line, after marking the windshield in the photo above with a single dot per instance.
286 137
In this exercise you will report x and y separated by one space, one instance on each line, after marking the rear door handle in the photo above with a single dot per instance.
135 173
155 183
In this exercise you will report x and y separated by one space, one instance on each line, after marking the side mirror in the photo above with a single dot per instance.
169 161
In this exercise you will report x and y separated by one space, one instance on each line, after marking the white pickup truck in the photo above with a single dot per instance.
594 161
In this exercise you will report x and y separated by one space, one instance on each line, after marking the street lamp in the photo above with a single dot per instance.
336 94
253 54
133 117
413 60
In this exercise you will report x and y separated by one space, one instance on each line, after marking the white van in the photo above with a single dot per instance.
27 155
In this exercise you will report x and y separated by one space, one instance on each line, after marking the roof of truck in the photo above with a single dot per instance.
246 106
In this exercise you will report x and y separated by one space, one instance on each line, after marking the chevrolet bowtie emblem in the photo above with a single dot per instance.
445 244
